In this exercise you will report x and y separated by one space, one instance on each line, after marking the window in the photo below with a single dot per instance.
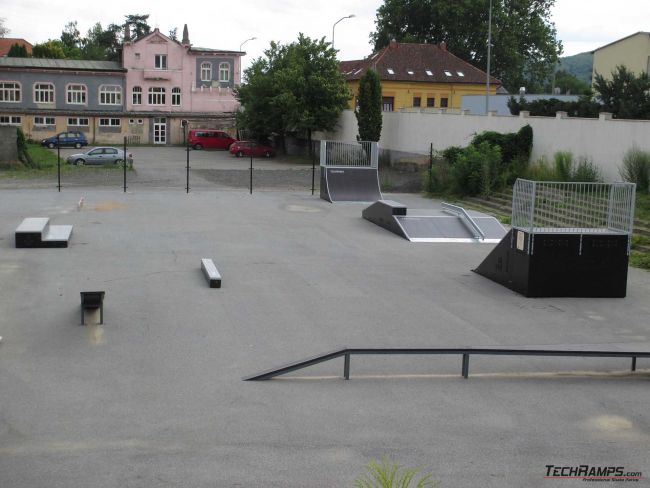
444 102
156 95
76 94
390 71
10 120
137 95
431 102
460 73
140 121
131 121
176 96
137 55
43 93
448 73
417 101
109 122
387 103
429 72
224 71
44 120
110 95
9 91
160 61
409 71
206 71
78 121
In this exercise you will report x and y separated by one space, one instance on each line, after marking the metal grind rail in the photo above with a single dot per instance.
464 352
462 214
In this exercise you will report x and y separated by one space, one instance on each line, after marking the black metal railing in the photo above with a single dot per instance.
465 352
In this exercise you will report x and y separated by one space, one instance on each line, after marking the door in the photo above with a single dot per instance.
160 130
96 156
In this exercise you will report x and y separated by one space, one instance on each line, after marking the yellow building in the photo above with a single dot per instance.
633 52
418 76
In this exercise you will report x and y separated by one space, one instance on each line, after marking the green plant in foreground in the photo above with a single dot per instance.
636 168
389 475
640 260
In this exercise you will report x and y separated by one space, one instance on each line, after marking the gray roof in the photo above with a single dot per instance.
67 64
219 51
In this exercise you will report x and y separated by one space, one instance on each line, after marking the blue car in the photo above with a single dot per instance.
71 139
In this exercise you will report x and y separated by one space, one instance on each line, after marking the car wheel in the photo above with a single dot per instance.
79 162
267 154
50 145
239 154
118 161
77 145
198 147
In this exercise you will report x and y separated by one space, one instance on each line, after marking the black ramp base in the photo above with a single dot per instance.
350 184
383 214
561 265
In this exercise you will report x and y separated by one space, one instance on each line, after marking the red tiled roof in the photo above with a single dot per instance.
416 62
7 42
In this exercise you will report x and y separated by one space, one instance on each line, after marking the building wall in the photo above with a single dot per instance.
632 52
404 92
61 79
603 140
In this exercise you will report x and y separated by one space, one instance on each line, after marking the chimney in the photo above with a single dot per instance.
127 33
443 45
186 37
393 44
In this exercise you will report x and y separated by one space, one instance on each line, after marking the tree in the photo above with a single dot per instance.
626 95
368 115
71 40
52 49
3 30
173 34
295 89
567 84
138 24
525 49
102 45
17 51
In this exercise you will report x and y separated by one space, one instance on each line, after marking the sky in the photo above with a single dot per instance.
582 25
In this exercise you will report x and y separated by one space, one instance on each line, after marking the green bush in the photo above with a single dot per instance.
564 169
477 170
563 165
388 475
437 179
515 150
587 171
23 152
451 154
636 168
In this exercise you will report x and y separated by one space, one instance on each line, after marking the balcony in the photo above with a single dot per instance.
157 74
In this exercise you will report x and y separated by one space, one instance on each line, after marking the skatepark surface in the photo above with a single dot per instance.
155 397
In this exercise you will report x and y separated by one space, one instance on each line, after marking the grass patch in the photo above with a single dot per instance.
640 260
642 208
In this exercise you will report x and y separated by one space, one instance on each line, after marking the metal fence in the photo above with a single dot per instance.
543 206
362 154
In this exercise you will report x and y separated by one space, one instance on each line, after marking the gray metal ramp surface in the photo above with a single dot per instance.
448 228
350 184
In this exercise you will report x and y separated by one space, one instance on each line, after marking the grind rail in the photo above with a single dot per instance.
465 352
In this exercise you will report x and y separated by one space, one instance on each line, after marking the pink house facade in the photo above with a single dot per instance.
169 82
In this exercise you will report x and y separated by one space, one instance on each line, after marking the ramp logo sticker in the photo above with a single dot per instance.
587 473
520 240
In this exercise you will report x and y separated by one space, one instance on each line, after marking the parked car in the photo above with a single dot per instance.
101 155
209 139
246 148
72 139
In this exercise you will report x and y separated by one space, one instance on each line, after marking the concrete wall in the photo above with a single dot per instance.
603 140
8 147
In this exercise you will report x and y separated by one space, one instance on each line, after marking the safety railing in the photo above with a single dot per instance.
464 352
550 206
462 214
364 154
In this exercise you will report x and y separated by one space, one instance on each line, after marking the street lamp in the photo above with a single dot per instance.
342 18
489 47
240 46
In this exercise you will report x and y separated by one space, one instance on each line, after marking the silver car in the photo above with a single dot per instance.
101 155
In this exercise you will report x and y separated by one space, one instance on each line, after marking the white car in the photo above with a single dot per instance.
101 155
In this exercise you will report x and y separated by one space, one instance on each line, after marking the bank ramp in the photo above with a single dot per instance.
455 225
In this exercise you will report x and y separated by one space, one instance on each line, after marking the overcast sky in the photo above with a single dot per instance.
582 25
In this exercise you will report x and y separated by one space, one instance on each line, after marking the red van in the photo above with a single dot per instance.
209 139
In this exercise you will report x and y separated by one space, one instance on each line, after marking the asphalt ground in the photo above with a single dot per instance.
155 397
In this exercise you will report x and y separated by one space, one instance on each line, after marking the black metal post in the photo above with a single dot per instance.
187 151
251 171
313 171
634 364
346 367
58 161
465 365
430 166
125 158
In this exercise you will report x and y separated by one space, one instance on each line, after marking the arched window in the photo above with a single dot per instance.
137 95
224 71
43 93
176 96
110 95
76 94
206 71
10 91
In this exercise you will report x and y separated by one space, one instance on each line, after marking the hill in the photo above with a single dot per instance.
579 65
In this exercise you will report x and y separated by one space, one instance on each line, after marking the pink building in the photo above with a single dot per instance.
169 81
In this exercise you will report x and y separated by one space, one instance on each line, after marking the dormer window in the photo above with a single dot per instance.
429 73
390 71
160 61
448 73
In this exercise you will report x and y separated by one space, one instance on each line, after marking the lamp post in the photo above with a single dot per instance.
240 46
489 47
342 18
